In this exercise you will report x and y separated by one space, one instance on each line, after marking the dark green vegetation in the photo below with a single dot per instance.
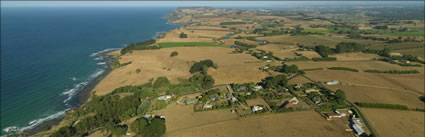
311 69
174 53
343 68
324 59
342 47
106 112
232 23
380 105
277 82
263 55
289 69
154 127
186 44
116 64
183 35
203 65
245 45
139 46
393 71
161 82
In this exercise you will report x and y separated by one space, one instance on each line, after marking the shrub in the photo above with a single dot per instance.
246 45
343 68
161 82
380 105
174 53
200 66
393 71
324 59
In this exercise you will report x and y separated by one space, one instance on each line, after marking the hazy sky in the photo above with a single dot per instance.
180 3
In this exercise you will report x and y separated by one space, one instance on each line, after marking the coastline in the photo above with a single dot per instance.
82 98
85 95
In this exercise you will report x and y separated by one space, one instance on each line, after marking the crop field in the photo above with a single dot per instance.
377 94
282 125
396 123
314 40
384 81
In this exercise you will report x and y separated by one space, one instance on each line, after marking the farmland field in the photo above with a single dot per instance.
186 44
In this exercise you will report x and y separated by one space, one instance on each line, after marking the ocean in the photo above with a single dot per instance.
49 54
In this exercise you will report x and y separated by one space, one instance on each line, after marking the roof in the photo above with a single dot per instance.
358 129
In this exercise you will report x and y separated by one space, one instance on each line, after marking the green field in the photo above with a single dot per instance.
186 44
415 32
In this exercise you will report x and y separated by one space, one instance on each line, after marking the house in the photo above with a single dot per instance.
265 57
334 82
395 54
207 106
333 116
262 42
256 108
165 97
289 104
256 88
128 134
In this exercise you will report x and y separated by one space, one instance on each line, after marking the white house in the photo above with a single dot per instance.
256 88
165 97
256 108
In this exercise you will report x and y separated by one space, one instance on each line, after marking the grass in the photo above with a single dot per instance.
417 32
187 44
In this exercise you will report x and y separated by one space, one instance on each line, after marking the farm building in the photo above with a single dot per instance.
165 97
357 126
256 108
334 82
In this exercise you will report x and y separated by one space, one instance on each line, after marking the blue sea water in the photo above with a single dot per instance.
47 54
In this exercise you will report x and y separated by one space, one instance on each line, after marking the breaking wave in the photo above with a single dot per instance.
103 51
35 123
69 93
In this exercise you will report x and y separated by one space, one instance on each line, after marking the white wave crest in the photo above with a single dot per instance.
35 123
77 87
101 63
103 51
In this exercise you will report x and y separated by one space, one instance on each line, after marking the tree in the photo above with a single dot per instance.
138 125
340 96
182 35
289 69
119 130
323 51
156 128
199 66
278 81
161 82
174 53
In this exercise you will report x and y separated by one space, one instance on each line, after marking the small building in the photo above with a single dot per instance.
395 54
256 108
128 134
207 106
242 88
298 86
225 37
268 61
256 88
265 57
262 42
334 82
333 116
165 97
289 104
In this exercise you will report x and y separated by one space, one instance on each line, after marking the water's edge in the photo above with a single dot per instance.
82 97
